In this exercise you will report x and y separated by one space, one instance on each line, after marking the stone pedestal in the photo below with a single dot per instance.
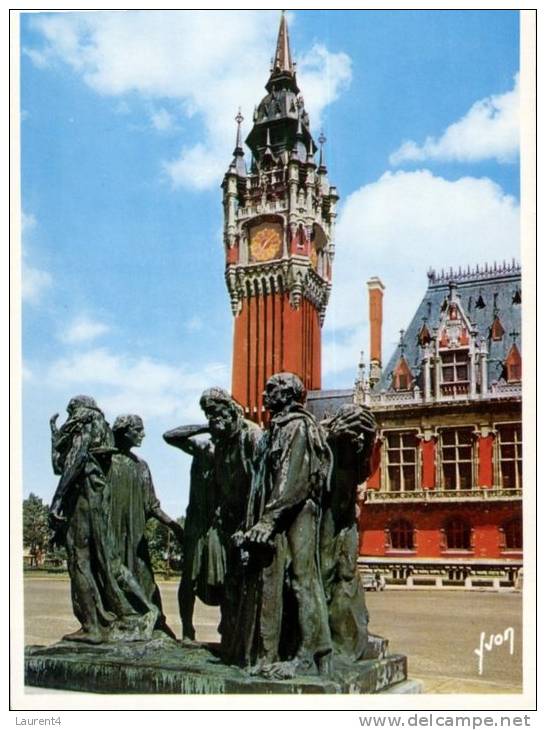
165 666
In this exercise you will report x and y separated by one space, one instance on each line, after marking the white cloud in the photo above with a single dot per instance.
162 120
122 383
396 228
41 59
322 77
164 394
83 329
489 130
34 281
211 61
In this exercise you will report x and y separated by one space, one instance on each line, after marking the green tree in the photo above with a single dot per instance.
36 532
165 550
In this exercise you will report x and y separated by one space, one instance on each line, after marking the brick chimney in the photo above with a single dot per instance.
375 296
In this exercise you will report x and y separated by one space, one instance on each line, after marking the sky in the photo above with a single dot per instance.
127 127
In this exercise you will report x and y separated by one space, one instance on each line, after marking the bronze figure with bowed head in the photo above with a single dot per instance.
221 473
134 502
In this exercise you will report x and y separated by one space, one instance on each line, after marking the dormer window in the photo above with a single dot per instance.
402 378
497 330
455 349
401 382
424 336
512 365
455 366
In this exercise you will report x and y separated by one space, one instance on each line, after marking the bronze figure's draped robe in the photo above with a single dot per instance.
351 434
221 475
81 452
133 502
283 607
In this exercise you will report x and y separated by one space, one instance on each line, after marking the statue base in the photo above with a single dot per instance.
165 666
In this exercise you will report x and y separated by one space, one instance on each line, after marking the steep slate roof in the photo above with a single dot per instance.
504 281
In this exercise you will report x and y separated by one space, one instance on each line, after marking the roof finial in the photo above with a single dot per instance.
238 142
321 141
283 59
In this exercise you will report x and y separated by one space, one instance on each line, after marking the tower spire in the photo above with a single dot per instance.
283 59
278 280
283 69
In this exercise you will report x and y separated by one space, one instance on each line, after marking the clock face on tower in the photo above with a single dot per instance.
266 242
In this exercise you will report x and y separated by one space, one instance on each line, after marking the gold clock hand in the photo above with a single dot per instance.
267 239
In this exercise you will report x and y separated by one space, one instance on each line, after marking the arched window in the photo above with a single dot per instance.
401 535
513 537
457 533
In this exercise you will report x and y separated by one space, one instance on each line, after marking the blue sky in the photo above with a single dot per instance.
126 130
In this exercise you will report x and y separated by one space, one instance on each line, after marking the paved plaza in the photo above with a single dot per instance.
437 630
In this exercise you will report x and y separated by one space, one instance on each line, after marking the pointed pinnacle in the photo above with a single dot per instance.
238 142
283 59
310 152
321 141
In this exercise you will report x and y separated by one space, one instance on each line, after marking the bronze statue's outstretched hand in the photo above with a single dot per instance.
261 533
184 432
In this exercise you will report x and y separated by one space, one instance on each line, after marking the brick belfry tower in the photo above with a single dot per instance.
278 236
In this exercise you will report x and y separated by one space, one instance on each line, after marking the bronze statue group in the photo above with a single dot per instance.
270 532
